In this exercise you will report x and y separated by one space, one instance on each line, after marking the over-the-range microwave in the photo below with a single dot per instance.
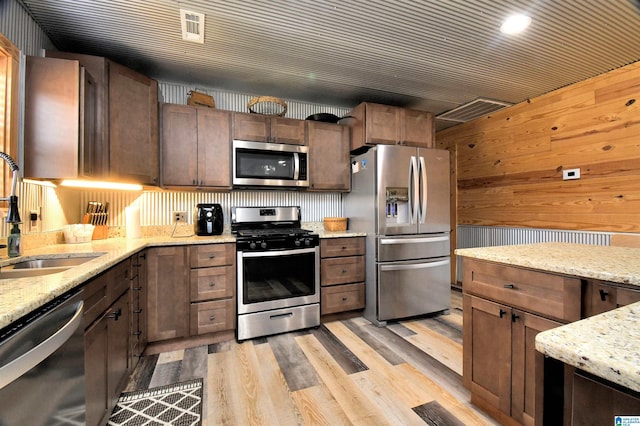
258 164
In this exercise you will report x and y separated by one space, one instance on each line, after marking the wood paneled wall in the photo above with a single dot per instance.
508 166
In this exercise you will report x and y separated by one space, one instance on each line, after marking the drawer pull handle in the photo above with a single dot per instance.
502 313
212 318
137 333
137 311
514 317
344 271
115 315
603 295
212 256
137 288
509 286
344 247
280 316
344 299
212 284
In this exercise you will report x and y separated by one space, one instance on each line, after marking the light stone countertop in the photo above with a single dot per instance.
21 296
606 345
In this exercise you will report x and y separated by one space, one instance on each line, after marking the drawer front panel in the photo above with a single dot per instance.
341 298
341 270
119 279
549 295
212 255
212 283
335 247
210 317
95 300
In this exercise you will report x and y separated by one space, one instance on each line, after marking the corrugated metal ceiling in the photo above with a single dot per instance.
432 55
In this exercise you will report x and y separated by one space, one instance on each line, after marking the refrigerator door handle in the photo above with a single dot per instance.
413 190
413 240
414 266
423 190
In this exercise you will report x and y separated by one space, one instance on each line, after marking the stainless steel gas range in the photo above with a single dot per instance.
278 271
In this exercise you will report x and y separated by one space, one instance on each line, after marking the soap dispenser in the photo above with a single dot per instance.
13 241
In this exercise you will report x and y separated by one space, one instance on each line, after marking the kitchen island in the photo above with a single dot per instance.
604 346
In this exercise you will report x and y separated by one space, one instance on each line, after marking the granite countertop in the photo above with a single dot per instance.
615 264
606 345
20 296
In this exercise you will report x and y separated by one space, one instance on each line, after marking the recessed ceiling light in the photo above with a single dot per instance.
515 24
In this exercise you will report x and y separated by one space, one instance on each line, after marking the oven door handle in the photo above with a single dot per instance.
277 252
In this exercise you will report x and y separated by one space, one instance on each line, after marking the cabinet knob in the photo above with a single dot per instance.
137 288
115 315
212 256
136 333
514 317
344 299
344 271
144 256
212 318
137 311
502 313
511 286
212 284
603 295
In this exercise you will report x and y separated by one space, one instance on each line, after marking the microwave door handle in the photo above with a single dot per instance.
296 166
423 190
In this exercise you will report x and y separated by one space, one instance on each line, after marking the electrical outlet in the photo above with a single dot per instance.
179 216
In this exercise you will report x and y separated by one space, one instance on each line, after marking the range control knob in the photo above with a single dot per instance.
307 241
297 243
263 245
252 245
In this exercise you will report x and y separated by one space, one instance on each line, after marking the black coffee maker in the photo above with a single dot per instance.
208 219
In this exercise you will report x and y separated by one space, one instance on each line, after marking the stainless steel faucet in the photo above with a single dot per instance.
13 216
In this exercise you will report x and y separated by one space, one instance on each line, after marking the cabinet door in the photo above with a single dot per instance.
487 352
287 130
167 303
138 307
417 129
179 145
251 127
596 403
95 367
382 124
525 327
214 148
133 126
329 168
118 320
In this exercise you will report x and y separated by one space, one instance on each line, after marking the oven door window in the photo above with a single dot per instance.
264 165
278 277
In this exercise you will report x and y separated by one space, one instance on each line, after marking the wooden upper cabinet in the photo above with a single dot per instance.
59 120
265 128
195 147
328 156
126 120
383 124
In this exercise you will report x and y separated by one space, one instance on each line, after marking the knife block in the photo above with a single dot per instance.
100 232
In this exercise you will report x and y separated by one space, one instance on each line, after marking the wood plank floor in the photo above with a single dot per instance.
347 372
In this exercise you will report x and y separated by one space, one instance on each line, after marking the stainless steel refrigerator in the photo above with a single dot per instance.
400 198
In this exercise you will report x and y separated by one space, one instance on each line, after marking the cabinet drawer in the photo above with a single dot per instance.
341 270
95 300
334 247
212 283
341 298
209 317
212 255
550 295
119 279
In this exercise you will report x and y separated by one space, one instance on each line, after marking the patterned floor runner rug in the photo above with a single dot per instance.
178 404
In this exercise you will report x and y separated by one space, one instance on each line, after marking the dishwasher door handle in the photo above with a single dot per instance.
25 362
406 267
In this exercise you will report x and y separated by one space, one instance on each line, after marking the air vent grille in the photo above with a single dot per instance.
192 26
472 110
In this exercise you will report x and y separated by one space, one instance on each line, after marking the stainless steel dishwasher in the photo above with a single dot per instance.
42 366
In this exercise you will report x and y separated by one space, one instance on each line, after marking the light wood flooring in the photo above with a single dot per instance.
346 372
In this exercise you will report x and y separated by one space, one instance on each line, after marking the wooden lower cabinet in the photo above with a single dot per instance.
504 308
342 274
107 365
167 297
213 288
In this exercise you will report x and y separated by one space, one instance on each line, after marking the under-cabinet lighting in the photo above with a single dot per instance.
101 185
515 24
46 183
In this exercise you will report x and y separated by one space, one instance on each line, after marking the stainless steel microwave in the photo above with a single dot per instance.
270 164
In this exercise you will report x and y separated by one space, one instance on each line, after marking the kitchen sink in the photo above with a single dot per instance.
26 273
43 265
55 262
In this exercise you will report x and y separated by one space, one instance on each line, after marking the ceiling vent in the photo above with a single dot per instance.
192 26
472 110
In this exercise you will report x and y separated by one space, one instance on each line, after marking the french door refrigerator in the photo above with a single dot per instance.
400 198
